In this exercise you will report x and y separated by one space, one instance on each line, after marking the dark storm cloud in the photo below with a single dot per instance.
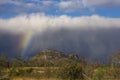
100 43
9 43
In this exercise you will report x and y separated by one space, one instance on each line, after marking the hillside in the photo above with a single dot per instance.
53 57
55 65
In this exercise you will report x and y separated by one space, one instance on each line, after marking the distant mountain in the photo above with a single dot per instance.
53 57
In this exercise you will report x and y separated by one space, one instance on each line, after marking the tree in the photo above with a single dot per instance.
115 60
4 60
72 72
19 62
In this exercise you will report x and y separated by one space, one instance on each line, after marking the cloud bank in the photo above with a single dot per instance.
41 22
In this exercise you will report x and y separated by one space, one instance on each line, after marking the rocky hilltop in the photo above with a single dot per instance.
53 57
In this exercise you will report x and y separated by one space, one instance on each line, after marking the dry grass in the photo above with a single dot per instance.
26 78
37 74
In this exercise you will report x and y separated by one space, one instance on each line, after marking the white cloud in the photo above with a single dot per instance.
41 22
81 5
101 3
62 6
70 6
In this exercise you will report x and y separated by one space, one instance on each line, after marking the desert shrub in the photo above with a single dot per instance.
98 74
14 72
18 72
114 72
71 72
0 70
5 79
47 72
29 70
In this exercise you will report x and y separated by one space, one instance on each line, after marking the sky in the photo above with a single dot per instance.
106 8
28 18
40 15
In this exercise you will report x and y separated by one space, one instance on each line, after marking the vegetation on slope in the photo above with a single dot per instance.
54 65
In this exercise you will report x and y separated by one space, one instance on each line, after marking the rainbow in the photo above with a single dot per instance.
25 42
